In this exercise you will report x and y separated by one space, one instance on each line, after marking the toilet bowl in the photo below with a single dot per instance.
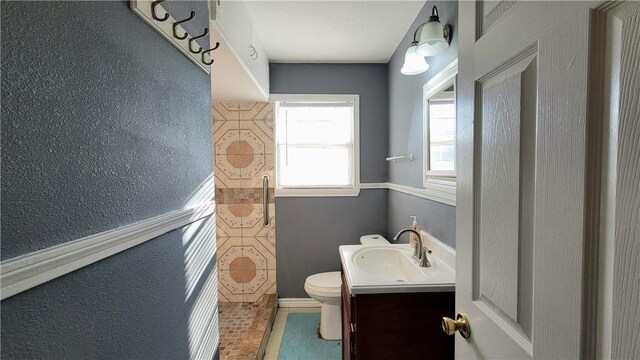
326 289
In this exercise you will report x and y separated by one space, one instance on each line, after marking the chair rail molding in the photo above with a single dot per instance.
443 195
30 270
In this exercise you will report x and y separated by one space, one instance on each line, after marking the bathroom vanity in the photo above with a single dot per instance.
389 311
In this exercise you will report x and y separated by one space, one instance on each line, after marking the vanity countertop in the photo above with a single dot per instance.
382 269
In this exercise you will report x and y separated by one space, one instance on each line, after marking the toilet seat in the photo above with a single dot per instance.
325 284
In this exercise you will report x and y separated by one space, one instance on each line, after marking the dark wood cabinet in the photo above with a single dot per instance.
396 326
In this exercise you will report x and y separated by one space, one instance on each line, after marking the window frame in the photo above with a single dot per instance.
440 183
328 190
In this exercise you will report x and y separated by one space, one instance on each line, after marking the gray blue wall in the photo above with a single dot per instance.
310 229
405 132
104 123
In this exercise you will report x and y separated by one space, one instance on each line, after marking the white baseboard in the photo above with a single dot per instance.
27 271
298 302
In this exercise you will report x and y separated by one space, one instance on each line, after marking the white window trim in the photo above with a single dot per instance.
324 192
437 182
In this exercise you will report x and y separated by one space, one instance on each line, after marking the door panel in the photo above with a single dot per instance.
491 11
506 132
499 198
521 185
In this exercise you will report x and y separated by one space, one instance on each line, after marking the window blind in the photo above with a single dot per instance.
315 144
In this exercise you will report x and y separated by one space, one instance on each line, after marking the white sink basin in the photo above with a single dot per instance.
390 269
390 264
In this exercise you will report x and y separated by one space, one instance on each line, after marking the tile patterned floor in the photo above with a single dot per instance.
294 336
245 328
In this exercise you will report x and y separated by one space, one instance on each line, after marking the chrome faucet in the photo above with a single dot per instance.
420 252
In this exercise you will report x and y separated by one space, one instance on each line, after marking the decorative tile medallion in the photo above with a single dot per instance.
242 269
240 147
240 161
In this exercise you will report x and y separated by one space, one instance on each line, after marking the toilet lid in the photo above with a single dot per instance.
325 283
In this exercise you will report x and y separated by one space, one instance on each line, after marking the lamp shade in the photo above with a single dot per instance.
414 64
432 39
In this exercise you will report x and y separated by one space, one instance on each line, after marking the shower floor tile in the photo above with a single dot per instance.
245 328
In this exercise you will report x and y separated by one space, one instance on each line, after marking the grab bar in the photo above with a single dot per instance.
265 196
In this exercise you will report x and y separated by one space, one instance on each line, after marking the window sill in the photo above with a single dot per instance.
316 192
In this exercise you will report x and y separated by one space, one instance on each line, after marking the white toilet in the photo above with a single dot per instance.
325 288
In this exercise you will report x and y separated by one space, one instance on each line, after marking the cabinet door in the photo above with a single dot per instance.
234 23
348 320
346 331
259 62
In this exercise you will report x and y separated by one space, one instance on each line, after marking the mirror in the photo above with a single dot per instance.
439 102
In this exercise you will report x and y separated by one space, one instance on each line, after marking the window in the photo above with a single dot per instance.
317 145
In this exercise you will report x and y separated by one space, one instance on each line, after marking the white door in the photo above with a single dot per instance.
525 196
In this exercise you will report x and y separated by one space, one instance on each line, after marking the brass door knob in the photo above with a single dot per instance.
461 324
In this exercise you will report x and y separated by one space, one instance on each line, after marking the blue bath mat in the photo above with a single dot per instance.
300 340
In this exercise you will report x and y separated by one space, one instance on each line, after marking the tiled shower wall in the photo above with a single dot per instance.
243 152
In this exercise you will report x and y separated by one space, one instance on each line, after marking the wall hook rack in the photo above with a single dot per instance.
175 27
155 15
400 157
153 11
193 39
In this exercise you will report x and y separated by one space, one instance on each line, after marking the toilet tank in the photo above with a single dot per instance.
373 239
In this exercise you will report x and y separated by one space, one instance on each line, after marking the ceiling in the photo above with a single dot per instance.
331 31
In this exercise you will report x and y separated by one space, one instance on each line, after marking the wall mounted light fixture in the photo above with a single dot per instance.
434 40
